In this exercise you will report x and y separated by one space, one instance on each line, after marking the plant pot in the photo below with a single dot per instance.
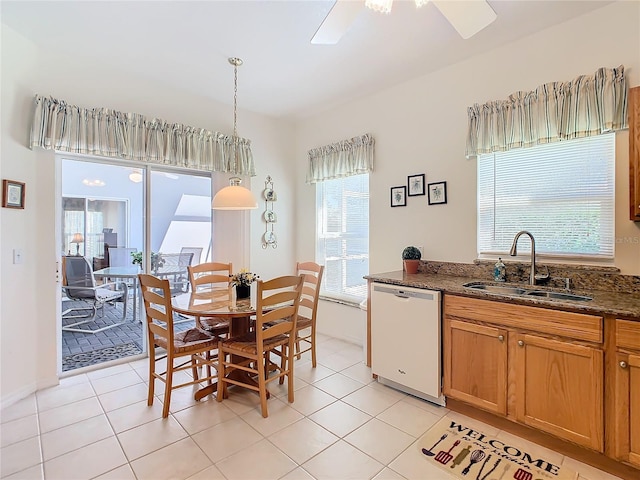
243 291
411 266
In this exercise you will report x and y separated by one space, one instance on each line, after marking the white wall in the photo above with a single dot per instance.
421 125
28 332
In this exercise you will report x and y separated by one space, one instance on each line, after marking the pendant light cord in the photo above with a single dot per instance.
235 99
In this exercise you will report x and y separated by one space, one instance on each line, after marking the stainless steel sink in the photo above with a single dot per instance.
558 295
503 289
510 290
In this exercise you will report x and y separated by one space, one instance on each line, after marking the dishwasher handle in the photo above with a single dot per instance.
403 293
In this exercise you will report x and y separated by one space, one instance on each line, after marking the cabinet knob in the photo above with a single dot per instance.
520 343
501 338
623 364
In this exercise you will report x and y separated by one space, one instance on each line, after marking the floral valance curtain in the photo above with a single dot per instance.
588 105
342 159
109 133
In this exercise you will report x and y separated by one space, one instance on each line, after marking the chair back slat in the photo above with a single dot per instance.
156 294
312 273
277 305
209 275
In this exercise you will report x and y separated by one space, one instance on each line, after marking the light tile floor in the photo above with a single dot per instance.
342 425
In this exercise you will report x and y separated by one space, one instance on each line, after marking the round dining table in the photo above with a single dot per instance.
220 303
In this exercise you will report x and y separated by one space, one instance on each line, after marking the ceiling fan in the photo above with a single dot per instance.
467 17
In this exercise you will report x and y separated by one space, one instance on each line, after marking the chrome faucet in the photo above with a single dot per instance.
514 252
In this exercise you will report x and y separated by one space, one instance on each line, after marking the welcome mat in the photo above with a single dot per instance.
470 454
78 360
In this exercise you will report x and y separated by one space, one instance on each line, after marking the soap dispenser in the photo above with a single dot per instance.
500 271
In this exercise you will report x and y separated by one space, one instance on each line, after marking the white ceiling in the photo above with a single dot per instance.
185 44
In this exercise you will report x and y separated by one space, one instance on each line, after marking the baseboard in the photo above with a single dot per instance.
15 397
25 391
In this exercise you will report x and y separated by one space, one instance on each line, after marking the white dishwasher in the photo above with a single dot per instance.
406 340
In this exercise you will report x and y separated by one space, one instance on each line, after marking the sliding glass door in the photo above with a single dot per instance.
118 220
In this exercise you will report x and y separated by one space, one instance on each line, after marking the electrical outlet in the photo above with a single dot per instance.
17 255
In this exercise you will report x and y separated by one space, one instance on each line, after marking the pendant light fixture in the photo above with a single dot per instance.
235 196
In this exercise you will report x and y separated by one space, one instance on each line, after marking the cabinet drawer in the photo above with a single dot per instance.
577 326
627 334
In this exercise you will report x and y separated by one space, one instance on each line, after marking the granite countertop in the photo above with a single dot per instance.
604 302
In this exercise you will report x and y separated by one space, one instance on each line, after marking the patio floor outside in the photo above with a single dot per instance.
84 349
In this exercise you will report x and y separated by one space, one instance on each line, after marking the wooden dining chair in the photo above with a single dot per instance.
243 360
193 343
207 276
307 312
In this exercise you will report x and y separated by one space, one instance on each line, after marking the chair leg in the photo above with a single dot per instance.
283 362
194 367
167 387
313 346
208 366
289 367
152 370
299 355
262 385
221 375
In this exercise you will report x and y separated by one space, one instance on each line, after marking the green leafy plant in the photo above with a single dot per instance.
156 260
411 253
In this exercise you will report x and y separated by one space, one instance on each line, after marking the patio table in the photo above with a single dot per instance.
132 272
122 273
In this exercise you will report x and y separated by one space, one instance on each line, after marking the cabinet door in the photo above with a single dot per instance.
559 389
634 152
628 408
476 365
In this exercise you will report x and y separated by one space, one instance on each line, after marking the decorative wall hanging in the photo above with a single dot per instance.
269 216
399 196
437 193
12 194
415 185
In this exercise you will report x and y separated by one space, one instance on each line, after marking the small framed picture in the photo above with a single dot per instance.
12 194
437 193
399 196
415 184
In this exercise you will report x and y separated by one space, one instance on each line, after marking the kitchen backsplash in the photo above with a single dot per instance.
582 277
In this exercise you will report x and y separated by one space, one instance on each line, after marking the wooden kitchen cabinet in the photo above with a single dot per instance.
559 388
539 367
626 398
476 364
634 152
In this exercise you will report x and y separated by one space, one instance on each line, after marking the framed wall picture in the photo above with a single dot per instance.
399 196
12 194
415 185
437 193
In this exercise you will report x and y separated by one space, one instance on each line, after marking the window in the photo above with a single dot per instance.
342 216
563 193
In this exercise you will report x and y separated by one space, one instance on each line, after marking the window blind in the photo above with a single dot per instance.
342 215
563 193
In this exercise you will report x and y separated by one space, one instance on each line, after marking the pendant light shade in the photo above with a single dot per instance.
234 197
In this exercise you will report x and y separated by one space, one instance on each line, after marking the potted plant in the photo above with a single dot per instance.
242 281
156 260
411 256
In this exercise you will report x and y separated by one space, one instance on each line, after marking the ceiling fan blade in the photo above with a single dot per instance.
337 22
467 17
